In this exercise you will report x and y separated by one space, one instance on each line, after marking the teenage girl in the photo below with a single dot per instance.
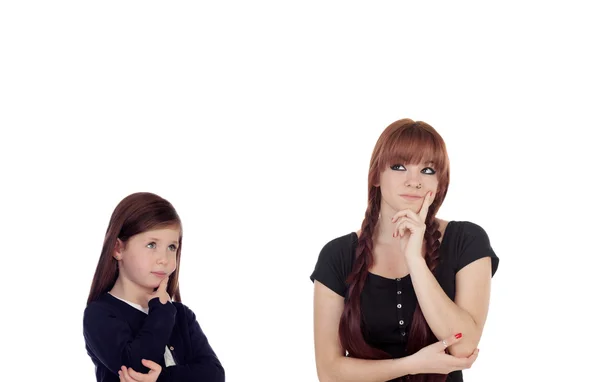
406 296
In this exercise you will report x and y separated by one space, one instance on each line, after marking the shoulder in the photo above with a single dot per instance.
339 250
472 242
463 236
185 313
183 309
101 306
341 243
468 230
187 319
335 261
100 313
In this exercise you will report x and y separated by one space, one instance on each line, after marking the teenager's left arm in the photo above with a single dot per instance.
466 314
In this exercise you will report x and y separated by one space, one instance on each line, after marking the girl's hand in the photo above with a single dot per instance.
130 375
433 359
161 292
410 223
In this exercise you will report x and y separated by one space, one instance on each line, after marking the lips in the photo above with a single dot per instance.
408 196
159 274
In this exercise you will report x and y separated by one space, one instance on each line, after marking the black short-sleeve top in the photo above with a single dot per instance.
387 305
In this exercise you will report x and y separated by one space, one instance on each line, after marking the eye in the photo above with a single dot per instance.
151 245
397 167
428 171
173 247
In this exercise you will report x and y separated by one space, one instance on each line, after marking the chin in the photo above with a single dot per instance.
408 207
149 285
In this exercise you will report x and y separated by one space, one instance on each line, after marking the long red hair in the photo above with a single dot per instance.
135 214
406 142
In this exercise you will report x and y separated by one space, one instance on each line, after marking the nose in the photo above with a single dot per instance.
413 179
162 258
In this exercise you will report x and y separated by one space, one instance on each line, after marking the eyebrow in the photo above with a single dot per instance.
155 239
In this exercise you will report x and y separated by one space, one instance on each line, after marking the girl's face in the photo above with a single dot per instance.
147 258
405 186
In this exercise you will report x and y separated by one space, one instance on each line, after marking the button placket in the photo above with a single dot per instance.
400 312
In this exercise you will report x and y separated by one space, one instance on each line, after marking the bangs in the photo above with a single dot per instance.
412 146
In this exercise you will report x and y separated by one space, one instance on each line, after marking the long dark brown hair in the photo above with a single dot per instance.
135 214
405 142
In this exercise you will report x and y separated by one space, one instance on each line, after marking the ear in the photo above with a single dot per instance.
118 252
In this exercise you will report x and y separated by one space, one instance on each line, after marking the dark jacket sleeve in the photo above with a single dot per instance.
202 365
111 340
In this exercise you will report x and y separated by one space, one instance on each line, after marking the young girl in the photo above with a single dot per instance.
406 296
133 330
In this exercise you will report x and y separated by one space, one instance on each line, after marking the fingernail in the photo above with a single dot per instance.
458 335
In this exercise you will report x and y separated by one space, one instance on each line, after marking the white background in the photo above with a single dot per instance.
257 121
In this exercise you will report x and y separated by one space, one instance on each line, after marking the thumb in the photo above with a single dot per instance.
151 365
449 341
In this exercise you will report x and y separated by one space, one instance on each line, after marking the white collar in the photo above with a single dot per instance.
137 306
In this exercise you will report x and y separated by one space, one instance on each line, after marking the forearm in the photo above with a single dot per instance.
347 369
111 340
152 338
443 316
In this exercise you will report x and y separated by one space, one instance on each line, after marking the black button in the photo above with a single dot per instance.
399 292
403 334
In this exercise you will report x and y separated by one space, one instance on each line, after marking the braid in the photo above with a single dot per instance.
351 328
420 334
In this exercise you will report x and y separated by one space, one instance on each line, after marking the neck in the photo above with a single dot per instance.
128 290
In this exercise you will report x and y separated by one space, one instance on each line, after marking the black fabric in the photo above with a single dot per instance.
388 305
118 334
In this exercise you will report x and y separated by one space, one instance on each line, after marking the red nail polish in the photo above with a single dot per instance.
459 335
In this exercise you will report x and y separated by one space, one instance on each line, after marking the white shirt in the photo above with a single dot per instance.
169 360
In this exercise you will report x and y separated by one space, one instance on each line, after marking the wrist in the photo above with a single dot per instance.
156 303
413 262
408 365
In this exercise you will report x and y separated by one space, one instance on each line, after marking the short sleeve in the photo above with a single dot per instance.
475 244
334 264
